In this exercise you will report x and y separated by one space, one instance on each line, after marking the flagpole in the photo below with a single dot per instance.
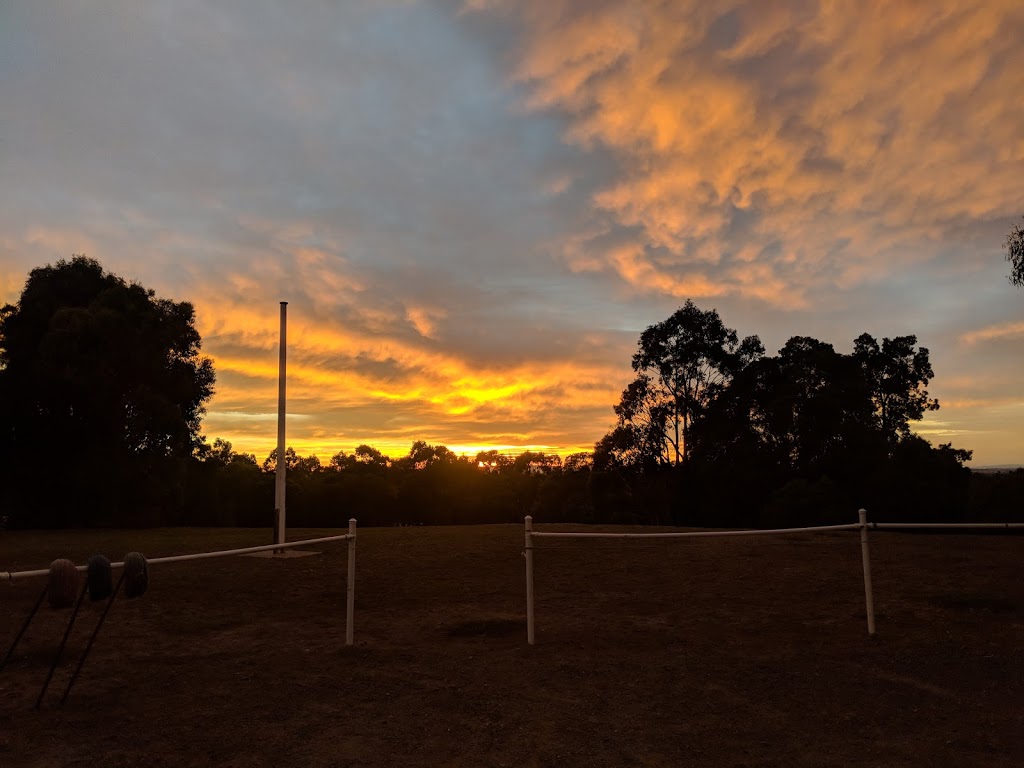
279 501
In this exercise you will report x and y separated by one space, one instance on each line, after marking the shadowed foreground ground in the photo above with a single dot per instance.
708 652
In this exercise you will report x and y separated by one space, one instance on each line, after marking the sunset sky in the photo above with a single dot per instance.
474 209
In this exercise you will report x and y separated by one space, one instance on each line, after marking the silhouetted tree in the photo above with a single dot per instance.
537 463
224 487
897 375
493 460
422 455
996 496
813 429
369 456
223 453
803 415
682 364
341 461
93 364
918 483
1014 247
641 437
291 461
578 462
817 407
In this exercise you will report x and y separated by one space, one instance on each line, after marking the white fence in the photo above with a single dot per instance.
350 537
862 525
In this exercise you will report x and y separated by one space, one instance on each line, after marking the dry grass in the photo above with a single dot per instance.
708 652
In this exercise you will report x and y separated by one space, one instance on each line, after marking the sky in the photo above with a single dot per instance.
473 209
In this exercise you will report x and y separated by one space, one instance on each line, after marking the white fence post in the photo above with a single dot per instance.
529 580
350 602
865 556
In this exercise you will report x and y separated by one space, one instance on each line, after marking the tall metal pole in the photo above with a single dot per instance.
279 518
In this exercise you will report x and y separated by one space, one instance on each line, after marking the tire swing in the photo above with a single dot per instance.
62 584
62 590
99 577
134 577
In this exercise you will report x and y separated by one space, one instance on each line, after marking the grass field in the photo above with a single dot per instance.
706 652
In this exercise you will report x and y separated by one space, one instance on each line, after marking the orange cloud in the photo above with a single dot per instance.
1001 332
441 394
831 143
955 404
424 319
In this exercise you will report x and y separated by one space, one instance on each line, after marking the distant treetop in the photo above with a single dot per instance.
1014 247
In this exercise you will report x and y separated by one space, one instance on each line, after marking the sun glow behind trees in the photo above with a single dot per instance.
395 393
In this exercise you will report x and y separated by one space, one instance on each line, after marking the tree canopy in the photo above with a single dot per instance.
801 411
103 368
896 376
682 363
738 430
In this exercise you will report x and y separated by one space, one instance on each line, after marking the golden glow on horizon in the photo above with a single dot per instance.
324 449
339 371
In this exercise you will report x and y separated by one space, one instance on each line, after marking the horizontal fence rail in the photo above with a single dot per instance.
889 526
350 537
16 575
862 525
690 534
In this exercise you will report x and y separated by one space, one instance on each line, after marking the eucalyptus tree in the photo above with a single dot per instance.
808 410
897 375
682 364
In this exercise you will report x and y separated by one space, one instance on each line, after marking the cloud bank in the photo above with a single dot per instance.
474 210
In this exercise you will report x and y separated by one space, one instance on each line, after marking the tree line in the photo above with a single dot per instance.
733 436
103 387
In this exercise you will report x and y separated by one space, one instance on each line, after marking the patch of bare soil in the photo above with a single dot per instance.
704 652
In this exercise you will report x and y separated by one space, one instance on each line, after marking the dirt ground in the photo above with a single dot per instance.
706 652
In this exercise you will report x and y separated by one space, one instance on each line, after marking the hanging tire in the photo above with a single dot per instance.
136 575
62 588
98 578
